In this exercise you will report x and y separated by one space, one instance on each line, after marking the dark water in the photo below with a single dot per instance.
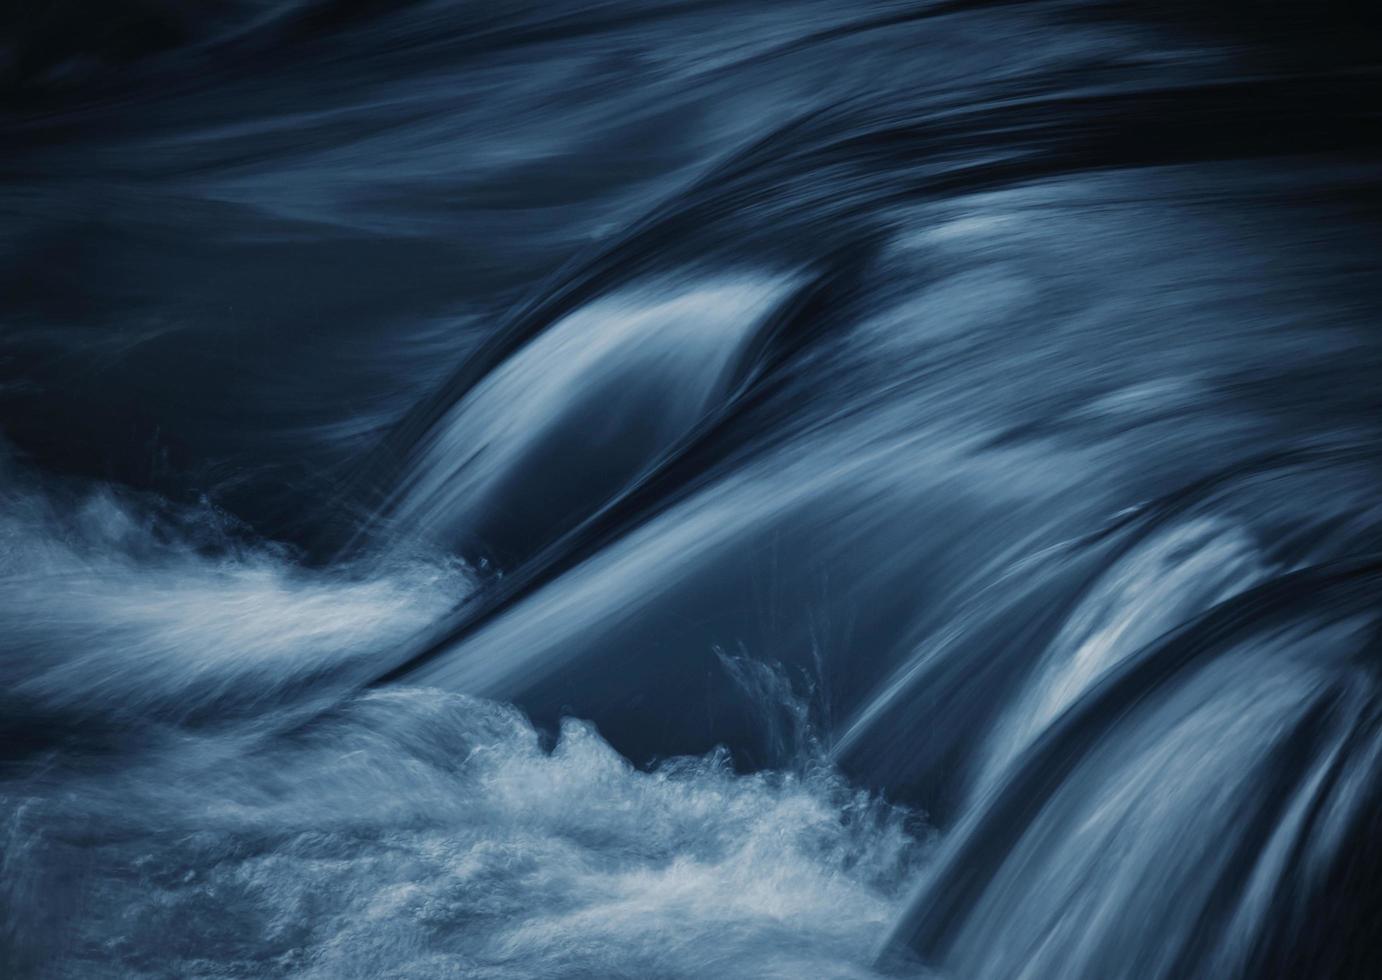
688 489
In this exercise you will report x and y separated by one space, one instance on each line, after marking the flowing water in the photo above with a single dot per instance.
690 489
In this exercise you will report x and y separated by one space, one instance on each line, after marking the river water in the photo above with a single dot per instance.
690 489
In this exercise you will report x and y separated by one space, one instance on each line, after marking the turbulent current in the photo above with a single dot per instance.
687 489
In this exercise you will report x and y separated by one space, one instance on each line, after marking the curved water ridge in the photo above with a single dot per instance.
1230 773
581 412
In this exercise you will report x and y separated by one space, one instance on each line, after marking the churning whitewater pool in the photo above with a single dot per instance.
690 490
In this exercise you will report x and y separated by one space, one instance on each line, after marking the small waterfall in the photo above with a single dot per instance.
682 489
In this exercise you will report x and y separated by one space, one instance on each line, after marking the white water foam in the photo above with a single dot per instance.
422 834
405 832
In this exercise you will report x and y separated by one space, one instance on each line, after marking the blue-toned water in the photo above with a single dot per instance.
686 489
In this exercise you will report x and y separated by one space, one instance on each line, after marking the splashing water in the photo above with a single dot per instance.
401 832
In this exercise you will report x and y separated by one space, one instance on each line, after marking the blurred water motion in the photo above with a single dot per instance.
689 489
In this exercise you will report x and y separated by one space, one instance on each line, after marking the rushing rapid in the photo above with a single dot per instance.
690 489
